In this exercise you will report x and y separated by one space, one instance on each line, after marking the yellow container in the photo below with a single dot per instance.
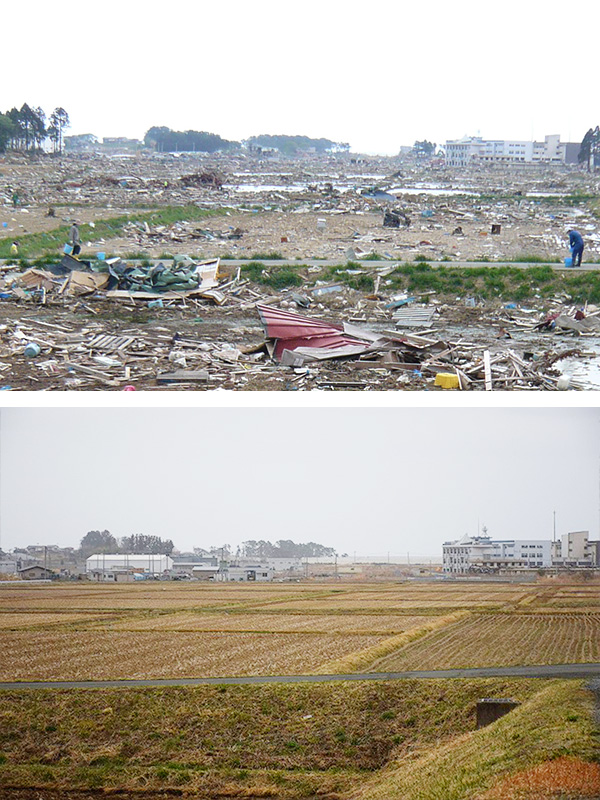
447 380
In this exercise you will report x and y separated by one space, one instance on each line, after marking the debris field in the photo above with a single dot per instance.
228 302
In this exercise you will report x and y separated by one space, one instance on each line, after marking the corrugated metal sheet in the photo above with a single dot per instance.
280 324
414 317
293 330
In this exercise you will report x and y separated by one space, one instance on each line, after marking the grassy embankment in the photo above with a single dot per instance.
554 724
289 741
504 283
50 243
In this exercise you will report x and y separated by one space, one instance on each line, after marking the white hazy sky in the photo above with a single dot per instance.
375 76
369 480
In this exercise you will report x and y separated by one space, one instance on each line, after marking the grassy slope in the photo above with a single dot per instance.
554 723
298 739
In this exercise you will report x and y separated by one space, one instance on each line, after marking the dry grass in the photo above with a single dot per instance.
567 778
503 640
556 722
364 659
75 737
89 655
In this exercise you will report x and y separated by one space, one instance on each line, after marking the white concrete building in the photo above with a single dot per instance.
481 554
473 150
574 549
113 562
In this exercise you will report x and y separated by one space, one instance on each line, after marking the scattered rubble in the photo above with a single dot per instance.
162 306
203 325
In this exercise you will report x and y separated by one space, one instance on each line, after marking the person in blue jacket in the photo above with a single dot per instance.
576 245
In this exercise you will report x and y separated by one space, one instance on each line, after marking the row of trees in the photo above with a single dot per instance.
26 128
105 542
164 140
285 548
289 145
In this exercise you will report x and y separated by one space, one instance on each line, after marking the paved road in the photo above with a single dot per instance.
544 671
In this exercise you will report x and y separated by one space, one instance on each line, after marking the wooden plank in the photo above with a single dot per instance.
488 370
93 373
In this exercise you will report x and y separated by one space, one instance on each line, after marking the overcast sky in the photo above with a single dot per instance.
377 76
364 480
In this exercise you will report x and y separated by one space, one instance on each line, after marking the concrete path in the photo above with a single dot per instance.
544 671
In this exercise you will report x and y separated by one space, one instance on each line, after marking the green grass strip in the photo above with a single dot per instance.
32 245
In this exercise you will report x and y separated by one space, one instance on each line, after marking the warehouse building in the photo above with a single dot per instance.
108 566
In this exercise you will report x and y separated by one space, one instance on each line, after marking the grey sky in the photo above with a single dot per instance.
376 76
369 480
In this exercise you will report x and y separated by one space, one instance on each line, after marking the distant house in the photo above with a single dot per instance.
114 575
256 572
186 564
36 573
205 572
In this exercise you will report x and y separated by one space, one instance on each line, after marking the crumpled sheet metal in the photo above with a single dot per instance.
291 331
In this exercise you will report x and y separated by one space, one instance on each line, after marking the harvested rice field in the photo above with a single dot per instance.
382 624
502 640
159 595
172 630
32 619
89 655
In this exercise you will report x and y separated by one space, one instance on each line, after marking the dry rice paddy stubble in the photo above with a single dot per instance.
502 640
397 604
380 624
97 655
41 620
159 595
